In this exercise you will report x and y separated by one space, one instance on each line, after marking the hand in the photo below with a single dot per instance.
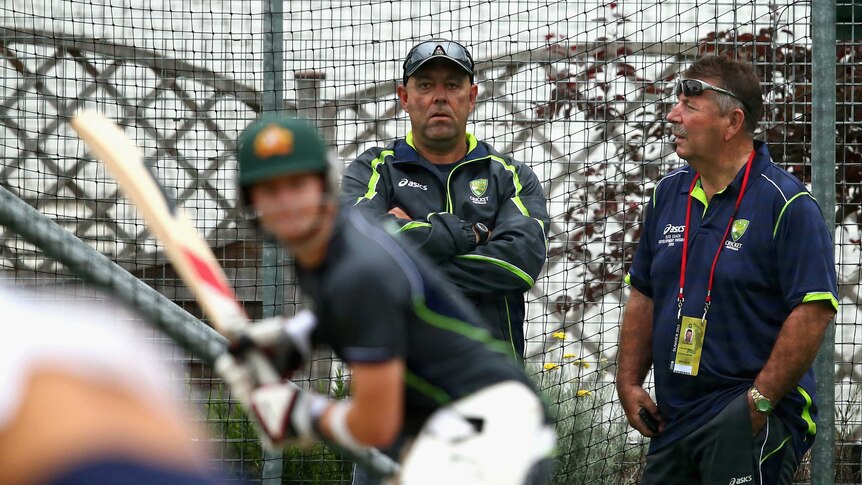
635 398
286 342
399 213
281 411
758 420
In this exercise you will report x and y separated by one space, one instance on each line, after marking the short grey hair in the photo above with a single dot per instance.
726 104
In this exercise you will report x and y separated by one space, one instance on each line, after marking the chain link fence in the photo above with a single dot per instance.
577 89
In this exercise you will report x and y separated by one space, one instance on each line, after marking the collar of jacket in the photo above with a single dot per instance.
405 151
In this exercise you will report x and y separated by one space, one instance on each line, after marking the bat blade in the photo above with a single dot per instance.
189 253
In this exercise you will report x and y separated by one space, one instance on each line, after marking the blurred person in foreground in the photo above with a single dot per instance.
422 369
86 400
736 250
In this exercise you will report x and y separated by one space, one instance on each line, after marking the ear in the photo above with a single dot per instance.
401 91
474 93
736 124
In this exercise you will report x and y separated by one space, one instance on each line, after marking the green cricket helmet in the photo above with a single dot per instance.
274 145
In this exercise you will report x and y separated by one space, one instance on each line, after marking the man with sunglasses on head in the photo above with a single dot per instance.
479 215
736 250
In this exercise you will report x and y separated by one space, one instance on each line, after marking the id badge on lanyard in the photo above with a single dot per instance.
689 345
691 331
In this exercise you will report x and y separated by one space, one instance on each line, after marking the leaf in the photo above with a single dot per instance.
564 303
625 70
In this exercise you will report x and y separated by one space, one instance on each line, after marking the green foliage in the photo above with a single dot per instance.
592 447
242 448
243 454
317 464
847 417
340 385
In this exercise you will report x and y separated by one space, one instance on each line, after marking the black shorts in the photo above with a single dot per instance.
724 452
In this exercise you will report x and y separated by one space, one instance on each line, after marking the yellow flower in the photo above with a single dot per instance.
580 362
551 366
559 335
584 393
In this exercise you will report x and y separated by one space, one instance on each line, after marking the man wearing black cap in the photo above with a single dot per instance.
480 215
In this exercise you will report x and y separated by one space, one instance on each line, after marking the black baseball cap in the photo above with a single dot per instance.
434 49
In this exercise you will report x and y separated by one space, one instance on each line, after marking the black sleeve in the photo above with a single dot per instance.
441 237
514 256
638 275
366 186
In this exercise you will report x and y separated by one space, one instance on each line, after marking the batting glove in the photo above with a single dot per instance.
281 411
286 342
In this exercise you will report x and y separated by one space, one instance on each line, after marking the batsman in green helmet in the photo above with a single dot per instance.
268 148
278 151
424 368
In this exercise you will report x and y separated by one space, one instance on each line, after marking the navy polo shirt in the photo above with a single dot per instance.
784 257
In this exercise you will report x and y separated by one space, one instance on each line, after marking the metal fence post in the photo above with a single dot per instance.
271 258
823 188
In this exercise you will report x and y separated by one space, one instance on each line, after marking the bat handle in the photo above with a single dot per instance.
372 459
264 369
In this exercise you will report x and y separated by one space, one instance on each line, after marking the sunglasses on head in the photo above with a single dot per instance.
427 50
696 87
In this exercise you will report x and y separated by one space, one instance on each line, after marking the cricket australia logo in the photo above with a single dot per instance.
478 188
736 231
273 140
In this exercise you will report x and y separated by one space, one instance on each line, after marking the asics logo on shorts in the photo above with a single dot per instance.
737 481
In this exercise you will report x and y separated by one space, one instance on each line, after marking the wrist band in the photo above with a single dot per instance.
304 415
338 427
316 408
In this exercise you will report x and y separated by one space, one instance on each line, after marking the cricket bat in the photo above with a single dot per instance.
187 250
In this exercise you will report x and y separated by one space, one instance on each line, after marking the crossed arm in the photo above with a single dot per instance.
511 259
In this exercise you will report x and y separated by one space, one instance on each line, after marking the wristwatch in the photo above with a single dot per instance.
482 231
762 404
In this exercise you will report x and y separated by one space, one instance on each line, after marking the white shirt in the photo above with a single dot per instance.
80 338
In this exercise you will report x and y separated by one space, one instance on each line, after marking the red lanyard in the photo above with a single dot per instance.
681 298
